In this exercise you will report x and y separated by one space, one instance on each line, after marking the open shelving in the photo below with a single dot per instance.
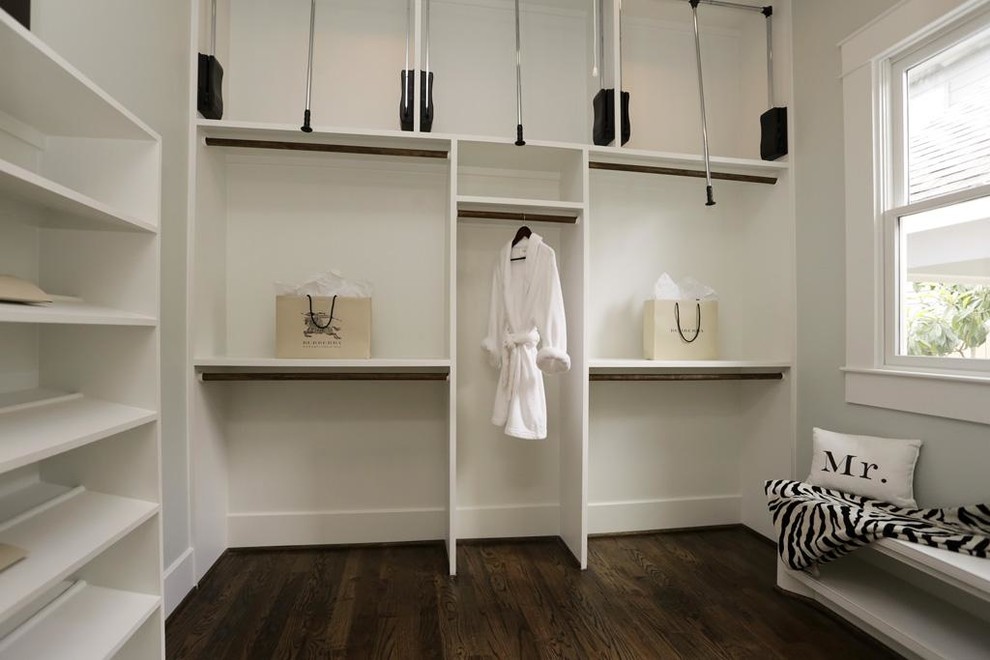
84 622
31 434
71 311
61 206
61 536
911 620
965 572
68 104
78 141
80 197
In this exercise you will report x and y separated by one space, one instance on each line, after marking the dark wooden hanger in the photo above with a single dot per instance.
523 232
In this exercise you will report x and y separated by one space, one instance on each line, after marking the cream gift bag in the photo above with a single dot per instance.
322 327
680 329
681 322
325 318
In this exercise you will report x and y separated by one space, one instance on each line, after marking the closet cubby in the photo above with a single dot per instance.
658 67
508 486
497 172
79 377
375 207
675 454
424 215
285 216
645 225
68 148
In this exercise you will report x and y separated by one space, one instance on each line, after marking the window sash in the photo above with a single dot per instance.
893 77
894 271
892 193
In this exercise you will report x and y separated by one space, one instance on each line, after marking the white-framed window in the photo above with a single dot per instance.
916 110
936 210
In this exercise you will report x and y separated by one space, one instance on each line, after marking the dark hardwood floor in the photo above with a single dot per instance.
700 594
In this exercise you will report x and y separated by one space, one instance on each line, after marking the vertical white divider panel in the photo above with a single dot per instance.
206 314
452 349
574 386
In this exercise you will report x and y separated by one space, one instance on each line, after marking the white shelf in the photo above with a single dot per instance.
902 614
609 366
745 166
68 208
43 91
30 434
84 623
277 365
488 151
71 311
60 537
239 130
517 205
247 130
971 574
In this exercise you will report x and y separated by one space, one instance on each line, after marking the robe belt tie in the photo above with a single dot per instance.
510 342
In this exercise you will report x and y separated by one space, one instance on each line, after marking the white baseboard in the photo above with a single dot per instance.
332 527
484 522
180 579
644 515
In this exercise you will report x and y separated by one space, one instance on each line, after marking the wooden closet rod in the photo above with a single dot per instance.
682 377
326 148
322 375
675 171
517 217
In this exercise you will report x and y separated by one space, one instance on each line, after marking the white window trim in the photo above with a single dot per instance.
871 378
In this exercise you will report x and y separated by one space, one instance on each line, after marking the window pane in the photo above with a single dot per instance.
944 308
948 119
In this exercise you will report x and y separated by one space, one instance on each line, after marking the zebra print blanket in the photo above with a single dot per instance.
816 525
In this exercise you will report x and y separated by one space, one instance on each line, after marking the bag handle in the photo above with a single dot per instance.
333 303
677 318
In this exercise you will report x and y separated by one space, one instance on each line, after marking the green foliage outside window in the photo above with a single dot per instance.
948 319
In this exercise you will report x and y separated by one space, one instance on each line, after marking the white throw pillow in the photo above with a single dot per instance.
880 468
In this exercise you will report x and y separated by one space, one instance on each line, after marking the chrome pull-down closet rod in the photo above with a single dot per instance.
519 125
709 191
306 128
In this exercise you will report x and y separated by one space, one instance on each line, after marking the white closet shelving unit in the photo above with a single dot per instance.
79 378
423 215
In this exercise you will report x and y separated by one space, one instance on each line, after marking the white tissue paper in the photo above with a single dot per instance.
688 288
330 283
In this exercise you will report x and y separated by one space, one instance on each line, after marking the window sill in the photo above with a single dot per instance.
951 395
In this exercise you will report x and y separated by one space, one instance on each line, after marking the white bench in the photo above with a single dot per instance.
920 601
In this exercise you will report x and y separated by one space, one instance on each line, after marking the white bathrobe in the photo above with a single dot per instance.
527 311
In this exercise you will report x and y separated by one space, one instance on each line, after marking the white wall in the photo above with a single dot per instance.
952 468
139 53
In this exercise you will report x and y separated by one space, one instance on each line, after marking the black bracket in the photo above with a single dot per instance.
768 11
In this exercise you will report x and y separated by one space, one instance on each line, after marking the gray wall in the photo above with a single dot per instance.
138 51
955 459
